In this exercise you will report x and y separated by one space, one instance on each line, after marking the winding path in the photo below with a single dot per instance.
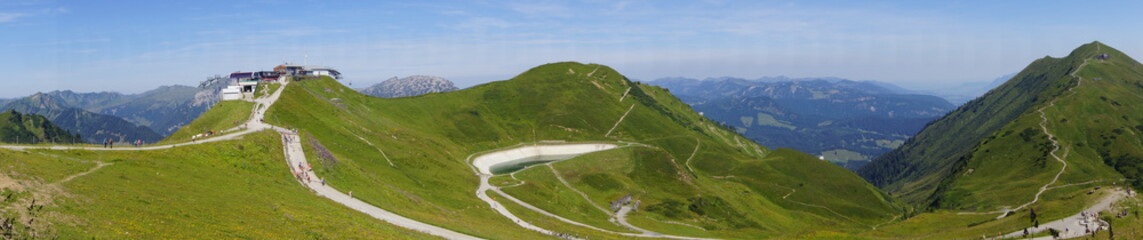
1055 148
1055 142
485 187
619 217
294 156
1071 223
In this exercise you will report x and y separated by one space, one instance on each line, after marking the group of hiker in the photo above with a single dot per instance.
110 143
303 173
202 135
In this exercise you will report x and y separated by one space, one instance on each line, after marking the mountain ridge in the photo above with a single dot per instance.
954 175
93 127
161 111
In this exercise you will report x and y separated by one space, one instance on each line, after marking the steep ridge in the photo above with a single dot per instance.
407 155
1059 121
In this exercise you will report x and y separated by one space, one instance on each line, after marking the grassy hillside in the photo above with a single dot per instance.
222 116
408 155
221 190
20 128
993 153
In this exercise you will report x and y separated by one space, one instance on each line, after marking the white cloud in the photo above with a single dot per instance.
543 10
9 17
58 10
453 12
620 6
483 23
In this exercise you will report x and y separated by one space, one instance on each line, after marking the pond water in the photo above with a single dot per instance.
512 160
520 164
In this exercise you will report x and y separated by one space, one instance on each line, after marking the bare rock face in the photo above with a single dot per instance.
409 86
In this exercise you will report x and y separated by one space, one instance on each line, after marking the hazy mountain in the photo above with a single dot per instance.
965 92
92 127
163 109
997 151
409 86
21 128
846 122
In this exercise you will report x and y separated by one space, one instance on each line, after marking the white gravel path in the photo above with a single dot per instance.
1072 223
294 156
481 165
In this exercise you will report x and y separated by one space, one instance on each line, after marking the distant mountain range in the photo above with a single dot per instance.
21 128
843 121
964 92
409 86
147 116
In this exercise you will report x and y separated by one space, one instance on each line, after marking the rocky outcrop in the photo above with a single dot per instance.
409 86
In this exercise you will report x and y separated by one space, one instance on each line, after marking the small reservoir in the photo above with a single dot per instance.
511 160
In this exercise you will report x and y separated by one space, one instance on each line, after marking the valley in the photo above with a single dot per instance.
842 121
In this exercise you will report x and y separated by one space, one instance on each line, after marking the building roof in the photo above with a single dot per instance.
315 68
240 75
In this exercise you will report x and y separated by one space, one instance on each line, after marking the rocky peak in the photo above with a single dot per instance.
409 86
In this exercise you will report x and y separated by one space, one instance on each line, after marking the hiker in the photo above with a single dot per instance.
111 143
323 181
350 194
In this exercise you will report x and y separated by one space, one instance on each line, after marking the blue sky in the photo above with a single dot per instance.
133 46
